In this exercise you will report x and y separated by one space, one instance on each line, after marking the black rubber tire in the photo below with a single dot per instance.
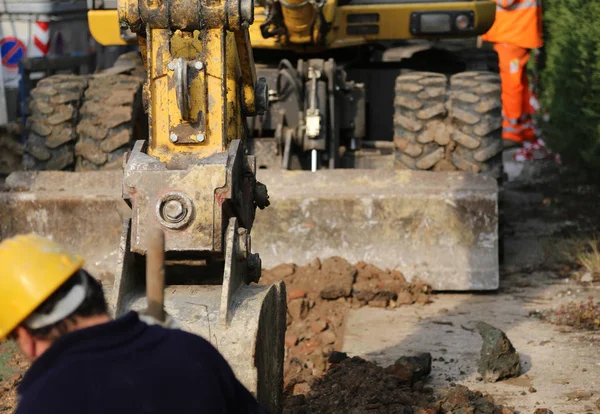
111 118
54 107
476 116
421 132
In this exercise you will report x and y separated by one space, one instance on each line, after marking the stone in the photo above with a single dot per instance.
318 326
337 277
296 294
403 372
290 340
404 298
587 277
579 395
532 390
420 365
302 388
455 398
422 299
298 309
499 360
380 303
543 411
327 338
308 347
396 275
282 271
335 357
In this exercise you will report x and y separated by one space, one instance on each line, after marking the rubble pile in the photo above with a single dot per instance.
579 315
359 386
319 296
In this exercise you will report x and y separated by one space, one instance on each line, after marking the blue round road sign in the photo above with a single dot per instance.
12 51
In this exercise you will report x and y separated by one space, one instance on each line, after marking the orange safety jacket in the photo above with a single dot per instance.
518 22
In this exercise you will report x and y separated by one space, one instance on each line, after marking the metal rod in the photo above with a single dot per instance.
313 160
155 275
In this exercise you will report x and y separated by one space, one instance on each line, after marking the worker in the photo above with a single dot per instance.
84 362
517 30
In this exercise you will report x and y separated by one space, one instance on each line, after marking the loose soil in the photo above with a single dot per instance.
12 366
319 297
358 386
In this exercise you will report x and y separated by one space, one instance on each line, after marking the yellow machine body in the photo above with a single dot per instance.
378 22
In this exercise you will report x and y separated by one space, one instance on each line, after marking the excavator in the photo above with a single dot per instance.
422 199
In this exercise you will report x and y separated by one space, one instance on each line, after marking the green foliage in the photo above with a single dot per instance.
571 78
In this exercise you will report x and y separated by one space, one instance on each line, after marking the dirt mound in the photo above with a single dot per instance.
359 386
319 296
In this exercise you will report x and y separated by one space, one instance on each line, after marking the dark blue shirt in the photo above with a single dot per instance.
126 366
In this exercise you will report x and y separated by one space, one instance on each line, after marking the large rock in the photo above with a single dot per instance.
499 359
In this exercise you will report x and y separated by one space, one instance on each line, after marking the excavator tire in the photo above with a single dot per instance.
449 126
476 117
421 134
54 109
111 117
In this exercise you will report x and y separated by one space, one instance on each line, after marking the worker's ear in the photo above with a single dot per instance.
26 342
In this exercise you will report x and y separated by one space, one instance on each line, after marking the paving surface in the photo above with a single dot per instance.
555 363
544 208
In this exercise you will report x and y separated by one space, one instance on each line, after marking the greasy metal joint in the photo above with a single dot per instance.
261 96
174 210
186 15
254 268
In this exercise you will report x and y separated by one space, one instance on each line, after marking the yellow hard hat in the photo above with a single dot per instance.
31 269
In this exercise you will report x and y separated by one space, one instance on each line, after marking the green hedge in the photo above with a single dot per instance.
570 79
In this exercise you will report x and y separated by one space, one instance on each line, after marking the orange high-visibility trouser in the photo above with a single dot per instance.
517 111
